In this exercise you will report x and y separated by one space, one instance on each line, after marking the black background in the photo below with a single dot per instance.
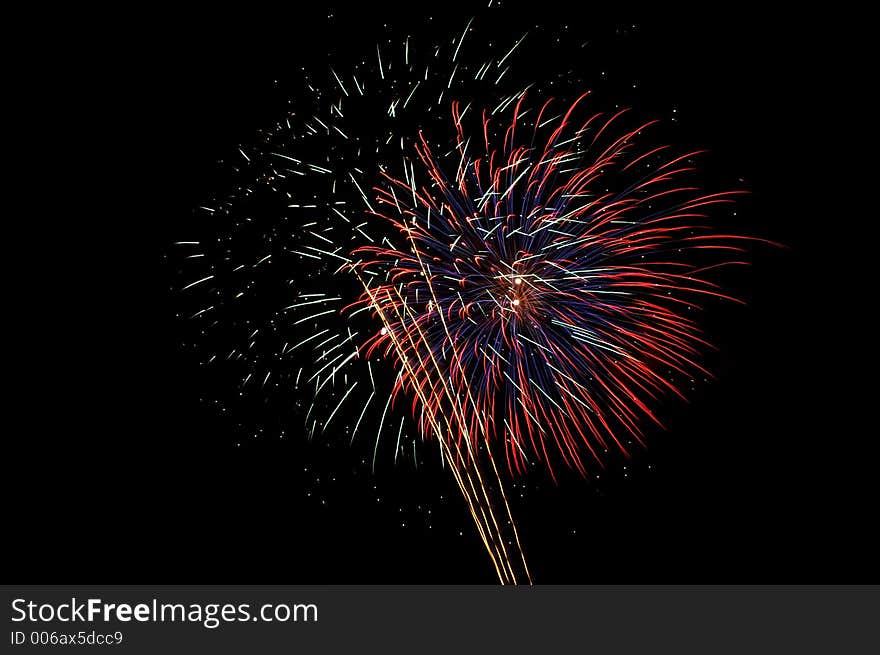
119 475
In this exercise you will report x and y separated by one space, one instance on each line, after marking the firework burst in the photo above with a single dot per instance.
533 273
549 283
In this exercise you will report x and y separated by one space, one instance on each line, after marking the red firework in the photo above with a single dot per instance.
542 293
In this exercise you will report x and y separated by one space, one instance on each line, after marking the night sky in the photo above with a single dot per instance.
144 465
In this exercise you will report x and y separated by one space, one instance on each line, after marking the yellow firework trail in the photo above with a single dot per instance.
498 538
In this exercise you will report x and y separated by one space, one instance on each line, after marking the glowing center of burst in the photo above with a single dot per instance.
517 281
384 331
